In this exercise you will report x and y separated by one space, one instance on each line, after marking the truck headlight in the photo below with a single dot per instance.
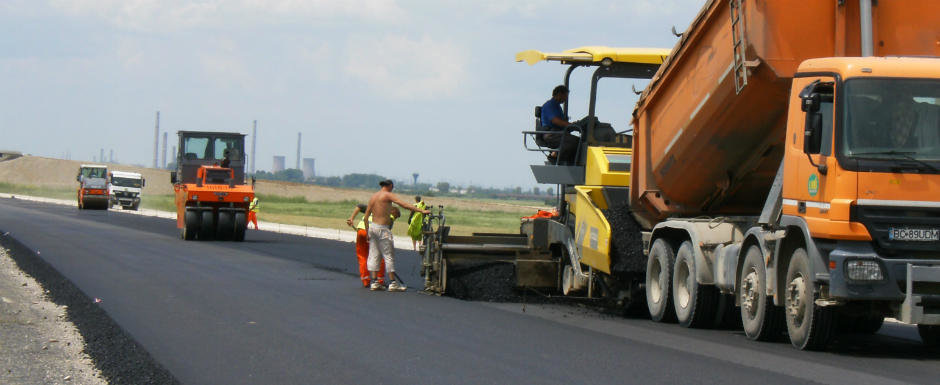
245 199
863 270
195 197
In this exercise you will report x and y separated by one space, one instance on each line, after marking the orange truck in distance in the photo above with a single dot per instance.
788 153
212 197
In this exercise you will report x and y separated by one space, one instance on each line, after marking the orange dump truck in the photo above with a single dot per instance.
212 197
787 152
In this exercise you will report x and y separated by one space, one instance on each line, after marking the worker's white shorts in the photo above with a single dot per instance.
381 245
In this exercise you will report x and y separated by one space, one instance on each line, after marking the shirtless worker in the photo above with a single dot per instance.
381 242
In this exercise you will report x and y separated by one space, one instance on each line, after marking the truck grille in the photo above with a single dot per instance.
880 220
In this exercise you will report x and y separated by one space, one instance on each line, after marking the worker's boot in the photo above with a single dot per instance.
395 286
376 285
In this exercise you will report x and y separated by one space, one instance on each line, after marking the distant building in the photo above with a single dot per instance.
278 163
309 170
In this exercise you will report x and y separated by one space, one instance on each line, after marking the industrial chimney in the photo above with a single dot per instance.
156 139
298 151
254 140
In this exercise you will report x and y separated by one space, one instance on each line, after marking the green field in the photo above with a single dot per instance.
298 211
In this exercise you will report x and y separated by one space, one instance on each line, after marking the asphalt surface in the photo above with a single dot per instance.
288 309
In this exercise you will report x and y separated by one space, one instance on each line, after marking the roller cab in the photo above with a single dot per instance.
211 200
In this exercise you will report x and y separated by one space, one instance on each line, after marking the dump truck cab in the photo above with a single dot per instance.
212 196
125 189
92 186
862 176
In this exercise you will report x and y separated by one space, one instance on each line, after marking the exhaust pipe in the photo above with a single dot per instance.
864 11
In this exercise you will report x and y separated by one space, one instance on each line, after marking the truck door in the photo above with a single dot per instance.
812 174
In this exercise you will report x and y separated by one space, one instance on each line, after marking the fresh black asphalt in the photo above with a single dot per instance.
288 309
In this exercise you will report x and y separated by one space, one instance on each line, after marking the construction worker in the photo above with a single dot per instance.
253 212
362 247
381 241
415 222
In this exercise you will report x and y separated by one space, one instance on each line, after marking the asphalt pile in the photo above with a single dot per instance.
488 281
626 241
119 358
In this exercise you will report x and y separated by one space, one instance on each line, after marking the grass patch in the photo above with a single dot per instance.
47 192
296 210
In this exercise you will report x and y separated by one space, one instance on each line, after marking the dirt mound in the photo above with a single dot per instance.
60 173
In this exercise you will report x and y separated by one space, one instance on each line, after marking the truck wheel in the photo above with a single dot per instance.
809 326
226 228
761 320
929 334
694 303
241 223
207 226
659 281
190 224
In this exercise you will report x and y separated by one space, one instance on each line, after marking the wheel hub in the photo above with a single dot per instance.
796 290
749 293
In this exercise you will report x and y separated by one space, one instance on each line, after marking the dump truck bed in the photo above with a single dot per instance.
709 129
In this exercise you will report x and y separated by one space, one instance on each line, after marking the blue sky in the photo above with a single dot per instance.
379 86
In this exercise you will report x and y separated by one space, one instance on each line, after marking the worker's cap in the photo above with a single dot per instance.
387 182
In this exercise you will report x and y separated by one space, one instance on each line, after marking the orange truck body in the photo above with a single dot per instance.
796 163
702 148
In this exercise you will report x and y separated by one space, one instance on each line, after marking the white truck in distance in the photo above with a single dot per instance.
125 189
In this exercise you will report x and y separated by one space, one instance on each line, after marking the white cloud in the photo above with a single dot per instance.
174 15
402 68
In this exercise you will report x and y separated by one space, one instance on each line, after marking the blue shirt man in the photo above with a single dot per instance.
554 119
553 116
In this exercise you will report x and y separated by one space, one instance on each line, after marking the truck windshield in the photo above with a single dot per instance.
893 119
94 172
125 182
196 148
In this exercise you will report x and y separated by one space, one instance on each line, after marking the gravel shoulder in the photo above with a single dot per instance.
38 345
52 333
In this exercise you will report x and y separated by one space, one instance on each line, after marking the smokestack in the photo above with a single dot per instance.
298 151
111 156
156 139
163 163
254 140
101 157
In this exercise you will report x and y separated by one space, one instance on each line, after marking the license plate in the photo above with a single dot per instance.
908 234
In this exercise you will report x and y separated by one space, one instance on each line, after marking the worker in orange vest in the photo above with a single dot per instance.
253 212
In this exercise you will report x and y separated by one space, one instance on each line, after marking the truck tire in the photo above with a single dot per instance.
809 326
206 226
225 230
761 320
695 304
241 224
659 266
929 334
190 225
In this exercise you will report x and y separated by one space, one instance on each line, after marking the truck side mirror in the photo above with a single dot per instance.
143 182
812 140
173 177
